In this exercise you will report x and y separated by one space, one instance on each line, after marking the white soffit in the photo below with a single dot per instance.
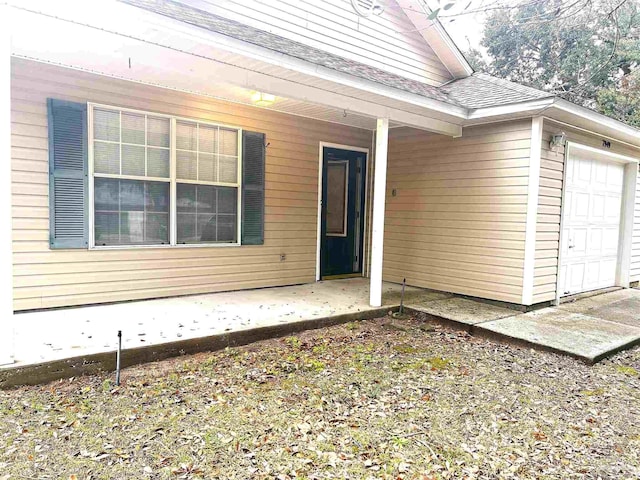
437 37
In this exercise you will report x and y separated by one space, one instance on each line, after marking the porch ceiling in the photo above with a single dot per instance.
125 42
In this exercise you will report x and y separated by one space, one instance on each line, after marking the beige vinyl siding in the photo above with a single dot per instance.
388 41
549 204
457 221
634 274
53 278
548 218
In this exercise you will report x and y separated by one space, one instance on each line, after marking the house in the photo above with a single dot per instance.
175 147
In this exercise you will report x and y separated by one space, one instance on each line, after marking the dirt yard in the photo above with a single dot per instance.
386 399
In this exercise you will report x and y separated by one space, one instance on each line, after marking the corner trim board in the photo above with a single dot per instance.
528 270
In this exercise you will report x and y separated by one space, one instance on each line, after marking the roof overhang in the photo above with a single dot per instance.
437 37
121 41
562 111
126 42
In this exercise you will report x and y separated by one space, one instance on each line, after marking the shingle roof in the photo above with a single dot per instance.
476 91
481 90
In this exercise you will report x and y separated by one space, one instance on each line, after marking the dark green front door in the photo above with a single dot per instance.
343 175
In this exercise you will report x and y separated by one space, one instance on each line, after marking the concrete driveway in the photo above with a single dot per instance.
590 328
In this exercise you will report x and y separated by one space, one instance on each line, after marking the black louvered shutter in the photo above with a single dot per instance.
68 189
253 153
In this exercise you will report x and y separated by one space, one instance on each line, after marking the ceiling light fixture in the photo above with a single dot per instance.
263 99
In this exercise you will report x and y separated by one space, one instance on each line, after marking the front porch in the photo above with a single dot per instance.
67 342
170 326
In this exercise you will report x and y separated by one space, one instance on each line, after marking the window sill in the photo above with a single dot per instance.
164 247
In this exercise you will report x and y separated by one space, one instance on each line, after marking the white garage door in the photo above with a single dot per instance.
591 223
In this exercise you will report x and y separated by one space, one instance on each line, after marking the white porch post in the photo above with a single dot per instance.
6 261
379 194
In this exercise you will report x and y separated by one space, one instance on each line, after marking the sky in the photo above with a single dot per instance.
464 29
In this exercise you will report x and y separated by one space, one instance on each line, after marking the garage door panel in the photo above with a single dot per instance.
580 210
600 175
615 176
608 270
591 224
598 207
578 242
595 241
610 241
592 274
575 279
612 208
584 173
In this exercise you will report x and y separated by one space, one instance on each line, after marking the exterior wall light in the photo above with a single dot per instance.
558 140
263 99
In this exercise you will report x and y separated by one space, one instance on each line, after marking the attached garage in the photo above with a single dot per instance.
595 224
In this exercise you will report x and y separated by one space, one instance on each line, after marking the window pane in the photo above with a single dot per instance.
206 167
227 200
133 160
158 162
207 227
106 195
206 213
156 198
337 173
106 157
186 136
131 227
133 128
208 140
207 199
131 212
107 228
227 228
228 169
158 132
186 197
156 228
106 125
187 228
186 165
228 142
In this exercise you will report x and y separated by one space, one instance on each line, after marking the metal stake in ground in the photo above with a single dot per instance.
118 357
404 281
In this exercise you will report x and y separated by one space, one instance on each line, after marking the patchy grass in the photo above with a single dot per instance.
348 402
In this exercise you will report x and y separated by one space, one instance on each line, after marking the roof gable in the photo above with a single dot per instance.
387 40
437 37
215 23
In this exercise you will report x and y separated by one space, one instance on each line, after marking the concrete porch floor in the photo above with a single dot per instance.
44 336
58 343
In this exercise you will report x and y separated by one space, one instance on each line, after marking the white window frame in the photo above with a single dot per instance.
172 180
